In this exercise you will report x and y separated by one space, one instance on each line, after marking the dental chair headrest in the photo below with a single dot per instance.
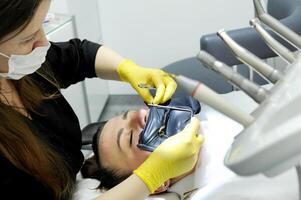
166 120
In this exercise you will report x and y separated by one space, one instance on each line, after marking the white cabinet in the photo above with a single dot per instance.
88 97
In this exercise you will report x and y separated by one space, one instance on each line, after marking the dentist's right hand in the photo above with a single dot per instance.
175 156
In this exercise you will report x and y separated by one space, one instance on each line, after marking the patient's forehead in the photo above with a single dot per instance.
108 151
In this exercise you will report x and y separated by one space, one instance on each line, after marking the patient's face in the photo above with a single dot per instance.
118 142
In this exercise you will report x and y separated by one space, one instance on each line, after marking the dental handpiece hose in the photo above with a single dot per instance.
276 46
204 94
280 29
256 92
250 59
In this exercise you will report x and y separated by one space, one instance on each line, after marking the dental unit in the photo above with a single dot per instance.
276 46
258 93
273 75
270 142
284 32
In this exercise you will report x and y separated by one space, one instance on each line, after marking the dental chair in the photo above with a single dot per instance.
288 12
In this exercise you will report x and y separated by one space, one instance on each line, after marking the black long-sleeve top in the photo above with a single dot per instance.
57 123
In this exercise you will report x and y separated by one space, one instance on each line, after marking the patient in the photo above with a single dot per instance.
116 154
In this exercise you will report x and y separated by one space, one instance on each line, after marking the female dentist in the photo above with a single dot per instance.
40 136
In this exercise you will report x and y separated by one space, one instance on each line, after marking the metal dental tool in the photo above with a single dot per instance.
172 108
204 94
280 29
258 93
273 75
276 46
150 88
143 85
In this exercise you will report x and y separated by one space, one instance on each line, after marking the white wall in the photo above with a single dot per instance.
153 33
156 33
88 27
86 16
59 6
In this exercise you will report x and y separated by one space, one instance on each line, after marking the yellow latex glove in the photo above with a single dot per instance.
174 157
130 72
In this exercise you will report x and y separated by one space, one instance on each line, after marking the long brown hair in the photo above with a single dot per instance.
18 143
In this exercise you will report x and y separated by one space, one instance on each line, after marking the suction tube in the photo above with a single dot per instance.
280 29
204 94
273 75
276 46
256 92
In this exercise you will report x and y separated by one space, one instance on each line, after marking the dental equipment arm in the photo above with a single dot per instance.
276 46
288 12
271 144
258 93
280 29
250 59
204 94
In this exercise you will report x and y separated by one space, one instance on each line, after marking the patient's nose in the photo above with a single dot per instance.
142 113
137 120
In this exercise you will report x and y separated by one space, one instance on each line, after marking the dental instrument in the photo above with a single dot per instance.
284 32
143 85
172 108
276 46
257 93
206 95
273 75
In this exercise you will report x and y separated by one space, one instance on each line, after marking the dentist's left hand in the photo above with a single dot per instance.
130 72
174 157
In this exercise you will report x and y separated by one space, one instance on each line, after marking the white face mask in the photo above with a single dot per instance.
22 65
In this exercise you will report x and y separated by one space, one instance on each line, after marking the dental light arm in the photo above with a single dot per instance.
276 46
258 93
204 94
250 59
280 29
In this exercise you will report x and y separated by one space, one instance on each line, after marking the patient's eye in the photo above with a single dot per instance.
131 138
125 114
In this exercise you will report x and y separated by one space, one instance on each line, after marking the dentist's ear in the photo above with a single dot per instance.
163 187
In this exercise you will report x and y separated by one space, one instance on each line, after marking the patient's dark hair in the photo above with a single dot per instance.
93 168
